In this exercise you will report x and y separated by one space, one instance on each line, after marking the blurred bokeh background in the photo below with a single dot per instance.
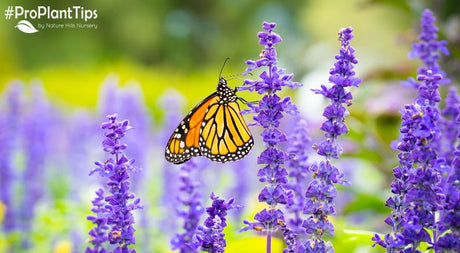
151 61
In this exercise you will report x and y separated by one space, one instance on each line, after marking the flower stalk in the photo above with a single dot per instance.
418 195
321 192
120 202
269 112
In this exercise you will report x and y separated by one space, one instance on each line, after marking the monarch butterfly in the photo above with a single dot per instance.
214 128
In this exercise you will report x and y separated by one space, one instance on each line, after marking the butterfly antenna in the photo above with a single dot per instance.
223 65
244 101
235 76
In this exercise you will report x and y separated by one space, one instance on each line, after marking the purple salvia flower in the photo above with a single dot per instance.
191 200
9 123
129 102
450 241
416 186
121 202
411 117
428 49
298 166
426 192
321 192
98 234
269 111
270 220
429 155
418 195
210 237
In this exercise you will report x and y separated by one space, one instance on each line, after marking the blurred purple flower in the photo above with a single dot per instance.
289 237
35 135
108 102
316 245
270 111
210 237
449 124
321 192
121 202
131 103
133 106
98 234
448 224
82 147
9 123
241 189
172 104
191 201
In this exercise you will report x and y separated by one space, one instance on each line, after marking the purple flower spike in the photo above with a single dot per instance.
9 123
321 191
418 195
121 202
191 201
449 124
298 164
36 135
270 111
210 237
428 49
171 103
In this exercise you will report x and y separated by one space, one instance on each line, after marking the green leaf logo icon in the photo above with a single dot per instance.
26 27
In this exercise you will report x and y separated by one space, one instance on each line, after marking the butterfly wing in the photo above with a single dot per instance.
224 136
184 142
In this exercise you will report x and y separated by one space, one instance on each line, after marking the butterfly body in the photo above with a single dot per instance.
214 128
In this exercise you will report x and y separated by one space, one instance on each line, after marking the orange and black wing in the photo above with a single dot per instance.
224 135
184 142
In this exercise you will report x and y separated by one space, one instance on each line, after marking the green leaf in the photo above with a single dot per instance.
366 202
